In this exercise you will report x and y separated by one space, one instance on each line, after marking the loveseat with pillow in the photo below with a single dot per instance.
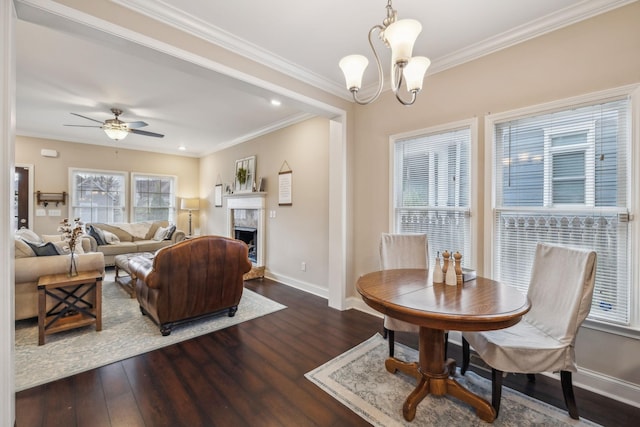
134 237
37 256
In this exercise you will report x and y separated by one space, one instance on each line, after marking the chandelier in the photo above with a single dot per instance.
399 36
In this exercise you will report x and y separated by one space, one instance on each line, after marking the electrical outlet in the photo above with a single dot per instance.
303 266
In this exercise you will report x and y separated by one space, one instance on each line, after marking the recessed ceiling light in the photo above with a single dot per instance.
182 148
276 103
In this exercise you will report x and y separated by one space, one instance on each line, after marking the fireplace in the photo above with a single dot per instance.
249 235
246 222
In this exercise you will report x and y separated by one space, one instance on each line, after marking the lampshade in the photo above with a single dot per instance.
192 204
115 133
401 35
353 67
414 72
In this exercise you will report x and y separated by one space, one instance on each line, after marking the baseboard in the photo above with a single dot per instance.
297 284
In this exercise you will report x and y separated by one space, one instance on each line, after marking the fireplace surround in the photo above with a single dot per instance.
246 221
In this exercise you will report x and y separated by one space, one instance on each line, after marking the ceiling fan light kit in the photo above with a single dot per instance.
399 36
116 129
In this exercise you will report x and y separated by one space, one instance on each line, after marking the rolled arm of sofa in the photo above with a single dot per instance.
142 268
178 236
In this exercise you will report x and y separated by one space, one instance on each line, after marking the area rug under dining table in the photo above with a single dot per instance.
125 333
359 380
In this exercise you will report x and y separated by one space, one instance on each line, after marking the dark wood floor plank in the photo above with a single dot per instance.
251 374
91 406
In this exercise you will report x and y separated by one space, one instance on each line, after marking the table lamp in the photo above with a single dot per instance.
192 204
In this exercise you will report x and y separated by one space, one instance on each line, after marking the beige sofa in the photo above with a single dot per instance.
29 268
131 238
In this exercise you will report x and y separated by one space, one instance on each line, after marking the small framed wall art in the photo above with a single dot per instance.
284 185
217 196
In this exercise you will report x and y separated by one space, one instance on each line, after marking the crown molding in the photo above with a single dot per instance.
296 118
165 13
193 25
546 24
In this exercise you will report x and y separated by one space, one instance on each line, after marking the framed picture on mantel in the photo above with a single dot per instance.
245 174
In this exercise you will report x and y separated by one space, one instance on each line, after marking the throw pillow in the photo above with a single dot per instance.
62 247
170 231
161 233
45 249
97 234
110 238
28 235
23 250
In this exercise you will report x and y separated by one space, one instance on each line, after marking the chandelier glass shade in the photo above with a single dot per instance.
399 36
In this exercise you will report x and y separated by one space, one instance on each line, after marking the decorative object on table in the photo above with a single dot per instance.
468 274
190 204
450 277
71 231
458 257
245 174
445 262
284 185
399 35
438 277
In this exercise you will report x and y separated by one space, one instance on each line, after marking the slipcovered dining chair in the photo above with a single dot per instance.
402 251
560 292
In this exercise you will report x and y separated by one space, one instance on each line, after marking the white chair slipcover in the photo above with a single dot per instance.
560 292
402 251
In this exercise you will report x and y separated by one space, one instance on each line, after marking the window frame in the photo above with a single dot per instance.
472 124
633 191
173 207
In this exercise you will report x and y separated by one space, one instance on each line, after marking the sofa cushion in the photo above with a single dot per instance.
120 248
170 231
152 245
161 233
122 232
28 235
110 238
97 234
154 227
23 250
44 249
51 238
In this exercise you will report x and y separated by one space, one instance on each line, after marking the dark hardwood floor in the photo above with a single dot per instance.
251 374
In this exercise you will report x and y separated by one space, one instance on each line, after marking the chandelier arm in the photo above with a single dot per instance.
379 65
398 71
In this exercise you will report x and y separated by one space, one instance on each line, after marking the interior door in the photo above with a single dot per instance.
21 198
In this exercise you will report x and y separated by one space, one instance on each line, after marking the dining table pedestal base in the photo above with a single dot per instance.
434 374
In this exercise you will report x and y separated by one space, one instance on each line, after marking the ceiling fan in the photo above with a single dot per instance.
116 129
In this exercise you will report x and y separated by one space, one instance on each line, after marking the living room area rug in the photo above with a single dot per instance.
359 380
125 333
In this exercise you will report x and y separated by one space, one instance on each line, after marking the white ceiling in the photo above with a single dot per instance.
65 67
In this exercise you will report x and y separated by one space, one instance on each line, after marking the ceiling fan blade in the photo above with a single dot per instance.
146 133
88 118
134 125
84 126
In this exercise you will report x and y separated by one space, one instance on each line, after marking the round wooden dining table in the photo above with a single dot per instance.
477 305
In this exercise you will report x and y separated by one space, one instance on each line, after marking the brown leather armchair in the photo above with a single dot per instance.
191 279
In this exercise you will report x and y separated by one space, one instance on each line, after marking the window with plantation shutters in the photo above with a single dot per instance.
431 195
562 177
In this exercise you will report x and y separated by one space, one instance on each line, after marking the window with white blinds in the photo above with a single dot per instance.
432 189
562 177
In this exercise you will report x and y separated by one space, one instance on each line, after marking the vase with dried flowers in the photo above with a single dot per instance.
71 232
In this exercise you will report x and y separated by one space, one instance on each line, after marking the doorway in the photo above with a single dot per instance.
23 197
